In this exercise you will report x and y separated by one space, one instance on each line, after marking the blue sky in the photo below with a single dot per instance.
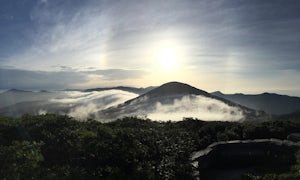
248 46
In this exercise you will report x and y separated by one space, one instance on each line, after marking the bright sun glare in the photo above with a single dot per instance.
167 58
167 55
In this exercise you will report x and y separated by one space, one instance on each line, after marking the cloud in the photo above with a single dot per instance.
80 105
175 108
200 107
84 112
220 38
42 112
107 97
113 74
25 79
44 1
88 104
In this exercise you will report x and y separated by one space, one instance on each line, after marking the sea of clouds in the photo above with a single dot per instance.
78 104
200 107
87 104
84 105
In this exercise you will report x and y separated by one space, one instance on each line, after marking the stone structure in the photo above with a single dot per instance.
242 152
295 137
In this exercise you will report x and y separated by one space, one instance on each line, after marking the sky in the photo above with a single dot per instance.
240 46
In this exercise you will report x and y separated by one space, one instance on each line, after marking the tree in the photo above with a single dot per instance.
21 160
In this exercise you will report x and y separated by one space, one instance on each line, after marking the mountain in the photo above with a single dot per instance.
175 100
14 96
18 91
170 101
123 88
175 88
268 102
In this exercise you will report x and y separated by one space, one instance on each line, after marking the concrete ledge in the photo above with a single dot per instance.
246 150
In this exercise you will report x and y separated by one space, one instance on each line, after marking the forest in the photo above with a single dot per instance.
60 147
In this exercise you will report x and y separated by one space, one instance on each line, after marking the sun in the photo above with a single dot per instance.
167 56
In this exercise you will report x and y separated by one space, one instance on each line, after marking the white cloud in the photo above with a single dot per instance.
80 105
197 107
77 39
44 1
221 39
42 112
87 104
177 107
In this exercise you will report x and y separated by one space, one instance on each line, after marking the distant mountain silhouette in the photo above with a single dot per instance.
123 88
14 96
17 91
268 102
173 93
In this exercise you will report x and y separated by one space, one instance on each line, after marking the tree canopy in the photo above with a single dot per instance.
55 146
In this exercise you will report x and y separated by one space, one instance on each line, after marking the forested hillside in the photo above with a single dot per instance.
53 146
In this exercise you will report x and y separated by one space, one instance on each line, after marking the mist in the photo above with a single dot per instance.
89 103
78 104
177 107
110 105
199 107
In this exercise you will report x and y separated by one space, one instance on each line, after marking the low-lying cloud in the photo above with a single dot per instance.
87 104
104 106
200 107
177 107
78 104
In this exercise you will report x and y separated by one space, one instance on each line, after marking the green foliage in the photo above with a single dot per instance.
249 176
129 148
21 160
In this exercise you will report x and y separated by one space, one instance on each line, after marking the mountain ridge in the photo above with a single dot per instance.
269 102
123 88
170 95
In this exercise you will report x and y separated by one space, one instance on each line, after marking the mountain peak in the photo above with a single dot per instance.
172 88
217 93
